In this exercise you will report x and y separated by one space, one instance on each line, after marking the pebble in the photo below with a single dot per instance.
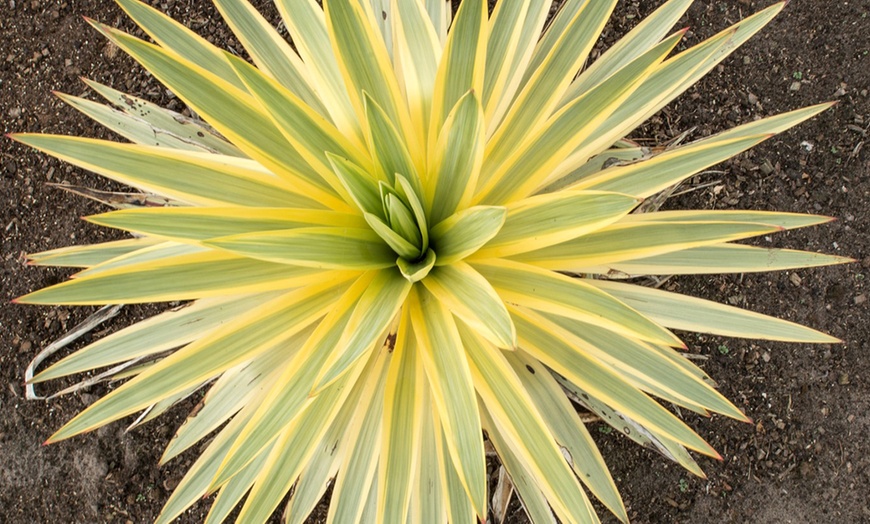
860 299
795 86
844 379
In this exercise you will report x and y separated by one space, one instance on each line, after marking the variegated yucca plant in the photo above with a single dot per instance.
406 239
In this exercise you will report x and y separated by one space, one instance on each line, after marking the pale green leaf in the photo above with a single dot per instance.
372 316
717 259
184 277
568 430
456 160
524 431
208 179
471 298
306 24
545 220
694 314
177 38
552 292
148 124
201 223
631 240
452 390
248 335
463 233
404 408
555 348
268 49
461 67
91 254
162 332
317 247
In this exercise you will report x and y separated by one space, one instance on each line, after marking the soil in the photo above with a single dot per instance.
805 457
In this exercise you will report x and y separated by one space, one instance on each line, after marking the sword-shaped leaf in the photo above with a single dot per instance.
404 409
553 346
469 296
183 277
552 292
629 240
208 179
443 356
249 335
316 247
268 49
694 314
524 430
545 220
717 259
463 233
201 223
568 430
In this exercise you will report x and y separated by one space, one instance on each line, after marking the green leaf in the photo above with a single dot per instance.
647 368
717 259
208 179
91 254
247 336
543 148
365 64
404 408
416 55
168 330
452 390
374 313
310 134
463 233
525 432
552 292
545 220
305 21
148 124
233 112
455 162
202 223
416 271
470 297
317 247
177 38
361 187
461 67
236 389
558 56
514 28
183 277
694 314
645 35
557 349
568 430
630 240
389 147
268 49
283 403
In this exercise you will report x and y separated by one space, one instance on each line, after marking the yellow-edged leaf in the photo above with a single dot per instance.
463 233
316 247
441 351
545 220
694 314
552 292
472 299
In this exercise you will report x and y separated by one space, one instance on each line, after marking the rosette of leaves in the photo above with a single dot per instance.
406 237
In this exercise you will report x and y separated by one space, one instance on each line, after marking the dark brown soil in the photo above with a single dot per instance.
805 457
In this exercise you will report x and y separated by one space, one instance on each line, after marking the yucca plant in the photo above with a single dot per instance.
405 235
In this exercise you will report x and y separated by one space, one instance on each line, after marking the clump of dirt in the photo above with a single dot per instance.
805 456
